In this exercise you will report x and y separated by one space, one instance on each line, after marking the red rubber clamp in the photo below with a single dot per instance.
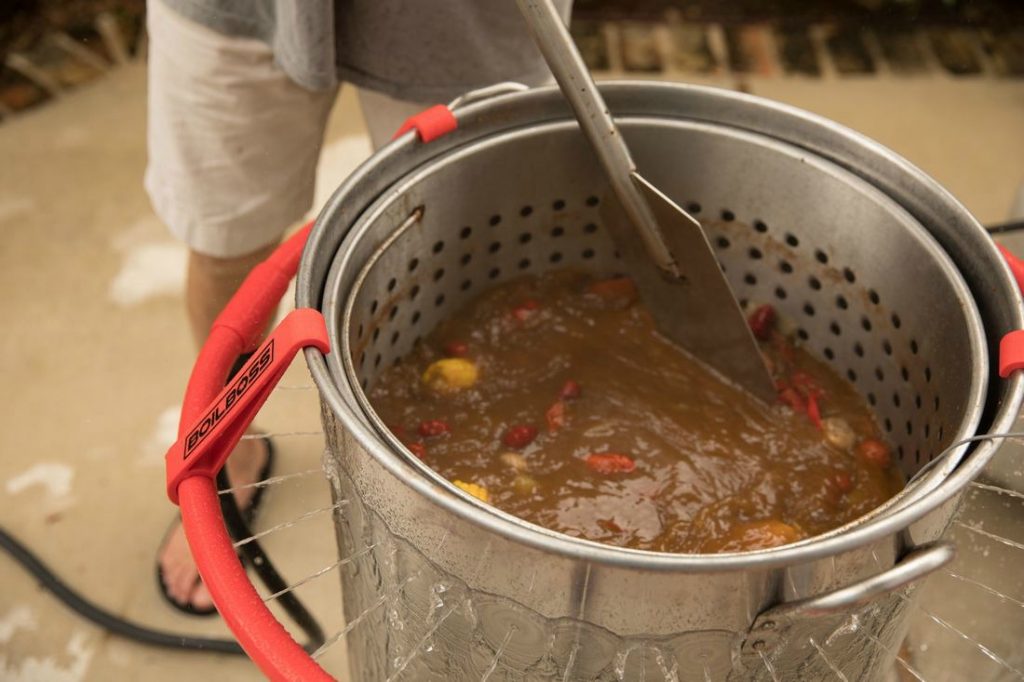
1011 346
206 444
431 124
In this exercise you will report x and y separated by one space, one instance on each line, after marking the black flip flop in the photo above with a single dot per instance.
249 513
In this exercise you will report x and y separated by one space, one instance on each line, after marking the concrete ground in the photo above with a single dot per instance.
96 353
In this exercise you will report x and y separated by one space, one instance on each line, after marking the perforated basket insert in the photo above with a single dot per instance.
866 288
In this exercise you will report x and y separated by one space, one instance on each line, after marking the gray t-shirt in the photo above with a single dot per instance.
416 50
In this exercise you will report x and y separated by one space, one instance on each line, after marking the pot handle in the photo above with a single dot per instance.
912 567
439 120
503 88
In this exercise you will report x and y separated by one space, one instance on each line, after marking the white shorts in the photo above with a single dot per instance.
233 142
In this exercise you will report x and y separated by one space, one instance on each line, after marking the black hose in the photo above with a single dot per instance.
238 529
103 618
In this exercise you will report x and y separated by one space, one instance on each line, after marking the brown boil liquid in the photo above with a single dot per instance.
715 470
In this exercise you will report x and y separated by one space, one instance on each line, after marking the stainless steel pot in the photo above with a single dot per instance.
884 274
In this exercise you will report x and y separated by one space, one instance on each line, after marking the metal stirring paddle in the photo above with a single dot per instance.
673 264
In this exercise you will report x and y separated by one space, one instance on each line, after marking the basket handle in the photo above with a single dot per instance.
213 419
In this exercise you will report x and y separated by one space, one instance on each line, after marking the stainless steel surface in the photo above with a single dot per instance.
688 296
447 588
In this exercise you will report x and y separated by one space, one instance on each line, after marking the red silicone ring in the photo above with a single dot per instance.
191 470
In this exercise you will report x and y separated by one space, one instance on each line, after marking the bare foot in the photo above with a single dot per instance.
180 576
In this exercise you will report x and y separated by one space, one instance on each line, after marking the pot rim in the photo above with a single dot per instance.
851 536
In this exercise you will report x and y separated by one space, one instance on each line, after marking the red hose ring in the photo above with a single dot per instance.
213 419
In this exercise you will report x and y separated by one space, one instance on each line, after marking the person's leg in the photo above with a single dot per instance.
233 147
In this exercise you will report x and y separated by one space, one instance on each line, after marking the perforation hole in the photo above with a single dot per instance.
394 338
592 201
466 232
754 253
785 267
466 257
849 276
589 228
879 374
722 242
555 257
829 353
913 346
557 231
851 375
526 211
937 403
413 264
693 208
362 359
928 375
376 360
814 283
835 328
858 350
874 297
391 284
905 373
414 292
494 273
376 334
416 317
524 263
359 332
525 238
792 240
494 220
587 254
896 322
495 247
895 399
373 307
780 293
872 400
728 216
865 323
750 279
917 401
466 284
841 302
808 310
438 274
887 347
821 256
888 428
438 247
760 226
439 301
802 334
558 204
393 313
